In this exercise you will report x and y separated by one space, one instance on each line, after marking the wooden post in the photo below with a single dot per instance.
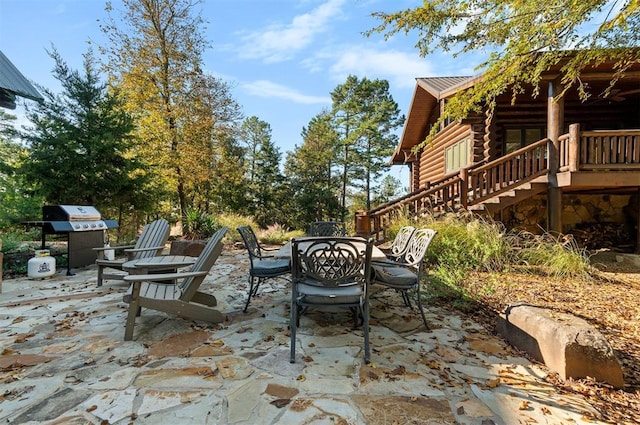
638 226
464 188
555 125
574 146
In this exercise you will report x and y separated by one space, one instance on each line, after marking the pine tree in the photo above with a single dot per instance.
81 148
366 116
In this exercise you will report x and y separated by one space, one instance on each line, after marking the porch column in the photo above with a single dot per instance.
637 228
555 126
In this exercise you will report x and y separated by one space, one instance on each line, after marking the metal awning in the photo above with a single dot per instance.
13 83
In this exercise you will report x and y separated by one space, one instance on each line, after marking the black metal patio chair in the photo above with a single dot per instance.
330 271
262 266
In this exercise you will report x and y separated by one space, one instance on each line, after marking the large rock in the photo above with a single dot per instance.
565 343
192 248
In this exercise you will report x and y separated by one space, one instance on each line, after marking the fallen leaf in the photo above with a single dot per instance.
492 383
524 405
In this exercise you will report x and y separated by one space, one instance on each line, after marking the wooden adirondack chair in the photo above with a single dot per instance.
151 242
176 293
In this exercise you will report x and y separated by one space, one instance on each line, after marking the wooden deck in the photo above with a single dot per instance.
589 160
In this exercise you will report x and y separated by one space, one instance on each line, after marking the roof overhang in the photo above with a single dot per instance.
422 112
13 83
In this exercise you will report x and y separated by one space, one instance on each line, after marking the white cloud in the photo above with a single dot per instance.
264 88
400 68
279 42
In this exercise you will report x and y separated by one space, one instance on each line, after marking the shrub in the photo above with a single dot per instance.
10 242
558 256
463 243
199 225
233 221
466 243
277 234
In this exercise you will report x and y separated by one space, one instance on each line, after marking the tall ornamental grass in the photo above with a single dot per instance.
467 243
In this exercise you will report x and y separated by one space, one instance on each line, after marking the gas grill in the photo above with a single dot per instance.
83 226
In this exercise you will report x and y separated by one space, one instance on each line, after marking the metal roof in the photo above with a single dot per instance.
13 83
438 86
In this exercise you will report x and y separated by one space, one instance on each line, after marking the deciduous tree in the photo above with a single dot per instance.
183 114
525 38
17 199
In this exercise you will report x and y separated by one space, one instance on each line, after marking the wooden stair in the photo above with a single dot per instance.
510 197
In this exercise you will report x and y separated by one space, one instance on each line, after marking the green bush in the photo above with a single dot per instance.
465 243
199 225
9 243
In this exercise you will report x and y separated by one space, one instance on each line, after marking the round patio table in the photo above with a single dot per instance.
158 264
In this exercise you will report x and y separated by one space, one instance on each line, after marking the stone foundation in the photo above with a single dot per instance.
531 214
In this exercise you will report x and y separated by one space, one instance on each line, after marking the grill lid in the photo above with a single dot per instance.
69 213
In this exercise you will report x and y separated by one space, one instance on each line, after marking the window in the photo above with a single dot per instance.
457 156
516 138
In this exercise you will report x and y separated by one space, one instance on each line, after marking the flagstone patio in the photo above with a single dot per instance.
64 361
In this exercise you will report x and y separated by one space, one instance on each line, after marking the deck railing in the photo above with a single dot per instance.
576 150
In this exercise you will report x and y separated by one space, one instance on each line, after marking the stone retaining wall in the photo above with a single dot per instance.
531 214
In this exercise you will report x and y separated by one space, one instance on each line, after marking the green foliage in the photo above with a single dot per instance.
12 242
199 225
524 39
80 146
559 256
365 117
226 183
312 175
232 222
466 243
267 185
390 188
17 199
185 117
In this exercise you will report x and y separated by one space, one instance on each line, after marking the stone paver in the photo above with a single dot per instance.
63 360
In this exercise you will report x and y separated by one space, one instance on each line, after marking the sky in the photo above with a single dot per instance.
282 58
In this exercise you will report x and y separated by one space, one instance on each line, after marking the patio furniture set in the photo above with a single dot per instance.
327 268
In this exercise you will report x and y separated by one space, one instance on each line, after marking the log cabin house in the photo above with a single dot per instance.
536 164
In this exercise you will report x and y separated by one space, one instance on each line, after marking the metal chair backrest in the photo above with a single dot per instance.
250 242
401 241
327 228
418 245
331 261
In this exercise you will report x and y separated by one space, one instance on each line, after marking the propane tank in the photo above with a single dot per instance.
42 265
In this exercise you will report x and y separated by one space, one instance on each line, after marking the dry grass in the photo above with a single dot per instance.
611 303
